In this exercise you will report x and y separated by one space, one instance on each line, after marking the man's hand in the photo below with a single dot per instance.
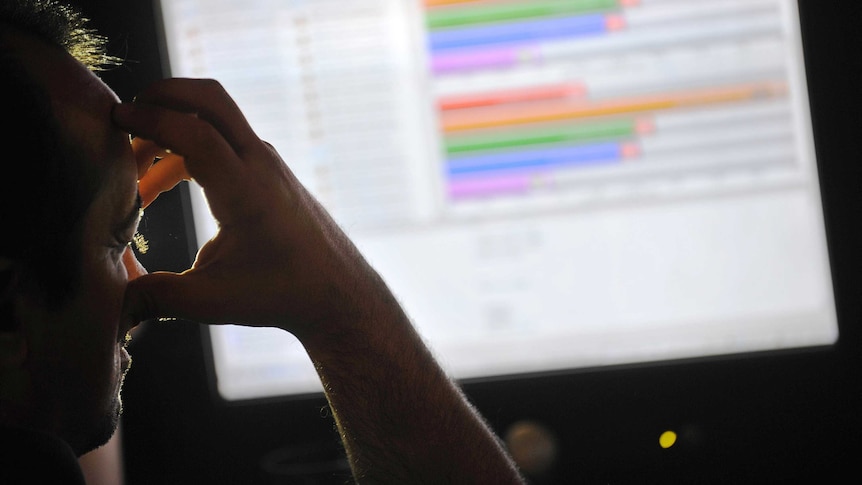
278 259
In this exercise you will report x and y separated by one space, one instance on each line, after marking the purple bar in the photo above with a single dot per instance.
478 59
479 186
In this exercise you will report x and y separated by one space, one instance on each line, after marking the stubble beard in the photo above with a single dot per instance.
102 431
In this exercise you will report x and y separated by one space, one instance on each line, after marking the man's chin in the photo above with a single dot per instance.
100 433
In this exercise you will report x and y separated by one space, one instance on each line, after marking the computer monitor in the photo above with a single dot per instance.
545 185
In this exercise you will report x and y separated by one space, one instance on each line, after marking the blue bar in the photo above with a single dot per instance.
519 32
528 159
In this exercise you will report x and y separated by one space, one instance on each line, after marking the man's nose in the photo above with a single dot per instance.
133 266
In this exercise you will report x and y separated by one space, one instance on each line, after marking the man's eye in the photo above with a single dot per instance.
120 246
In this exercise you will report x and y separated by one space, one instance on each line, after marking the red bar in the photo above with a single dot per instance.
615 23
437 3
512 96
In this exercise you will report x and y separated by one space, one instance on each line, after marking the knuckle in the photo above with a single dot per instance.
211 85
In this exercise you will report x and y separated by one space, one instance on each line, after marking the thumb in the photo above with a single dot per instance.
163 295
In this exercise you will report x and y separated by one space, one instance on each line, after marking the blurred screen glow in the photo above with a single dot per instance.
544 184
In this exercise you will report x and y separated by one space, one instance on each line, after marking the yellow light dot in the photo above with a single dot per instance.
667 439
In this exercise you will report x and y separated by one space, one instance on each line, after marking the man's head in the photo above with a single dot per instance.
69 207
39 165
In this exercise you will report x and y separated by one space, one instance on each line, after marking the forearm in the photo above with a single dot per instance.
401 419
278 259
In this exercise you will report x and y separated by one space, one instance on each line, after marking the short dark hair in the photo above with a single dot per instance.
46 189
61 25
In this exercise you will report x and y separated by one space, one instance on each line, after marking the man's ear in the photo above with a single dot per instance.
13 349
6 264
8 284
14 378
14 381
13 345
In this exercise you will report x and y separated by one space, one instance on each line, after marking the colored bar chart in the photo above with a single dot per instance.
529 159
476 35
567 133
517 114
441 19
517 32
502 97
598 106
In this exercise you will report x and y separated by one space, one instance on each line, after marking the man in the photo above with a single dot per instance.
72 289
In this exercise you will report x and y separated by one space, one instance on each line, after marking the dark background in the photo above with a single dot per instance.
764 418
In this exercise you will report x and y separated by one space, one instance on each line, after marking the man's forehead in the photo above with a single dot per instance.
81 104
80 101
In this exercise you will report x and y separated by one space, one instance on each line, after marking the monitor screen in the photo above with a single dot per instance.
545 185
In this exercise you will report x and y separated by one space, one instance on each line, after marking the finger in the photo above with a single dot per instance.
172 295
209 159
161 177
146 152
151 296
209 101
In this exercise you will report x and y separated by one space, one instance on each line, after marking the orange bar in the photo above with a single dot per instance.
560 91
555 110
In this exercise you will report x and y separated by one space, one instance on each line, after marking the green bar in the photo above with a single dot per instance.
457 17
569 133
